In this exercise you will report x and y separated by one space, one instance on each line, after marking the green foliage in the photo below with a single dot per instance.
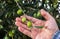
1 27
16 0
10 9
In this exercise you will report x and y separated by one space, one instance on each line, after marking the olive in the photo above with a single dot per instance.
20 11
54 5
23 19
6 37
38 14
29 24
35 15
10 34
13 31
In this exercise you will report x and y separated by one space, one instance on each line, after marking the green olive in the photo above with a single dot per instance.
54 5
23 19
29 24
20 11
13 31
35 15
6 37
10 34
38 14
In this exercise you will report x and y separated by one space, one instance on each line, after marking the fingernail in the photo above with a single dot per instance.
42 9
15 23
17 18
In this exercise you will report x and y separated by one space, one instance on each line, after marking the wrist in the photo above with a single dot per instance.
56 35
52 32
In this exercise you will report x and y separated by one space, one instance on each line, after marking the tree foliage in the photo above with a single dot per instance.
9 9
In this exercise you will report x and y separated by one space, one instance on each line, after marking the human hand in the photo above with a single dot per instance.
50 26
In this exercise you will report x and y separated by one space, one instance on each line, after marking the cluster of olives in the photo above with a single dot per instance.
10 33
36 15
29 23
19 12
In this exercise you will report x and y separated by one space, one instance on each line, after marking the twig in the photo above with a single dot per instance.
18 5
12 37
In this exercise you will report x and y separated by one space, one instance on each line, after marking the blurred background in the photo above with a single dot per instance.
10 9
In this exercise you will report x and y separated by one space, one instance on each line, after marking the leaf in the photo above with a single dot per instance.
16 0
1 27
39 26
1 20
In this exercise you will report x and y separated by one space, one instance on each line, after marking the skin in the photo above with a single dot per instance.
50 26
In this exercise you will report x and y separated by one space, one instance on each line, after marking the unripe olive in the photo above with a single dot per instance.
1 21
10 34
20 11
29 24
23 19
35 15
6 37
38 14
54 5
13 31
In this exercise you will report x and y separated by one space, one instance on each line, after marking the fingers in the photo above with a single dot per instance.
24 31
19 24
18 19
35 21
31 18
40 23
45 14
34 32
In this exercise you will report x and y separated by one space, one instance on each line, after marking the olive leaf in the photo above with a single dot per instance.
39 26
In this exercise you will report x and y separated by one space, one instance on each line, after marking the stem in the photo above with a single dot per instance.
31 8
6 31
12 37
18 5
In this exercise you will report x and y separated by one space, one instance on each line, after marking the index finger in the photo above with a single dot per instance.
33 19
45 14
30 18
